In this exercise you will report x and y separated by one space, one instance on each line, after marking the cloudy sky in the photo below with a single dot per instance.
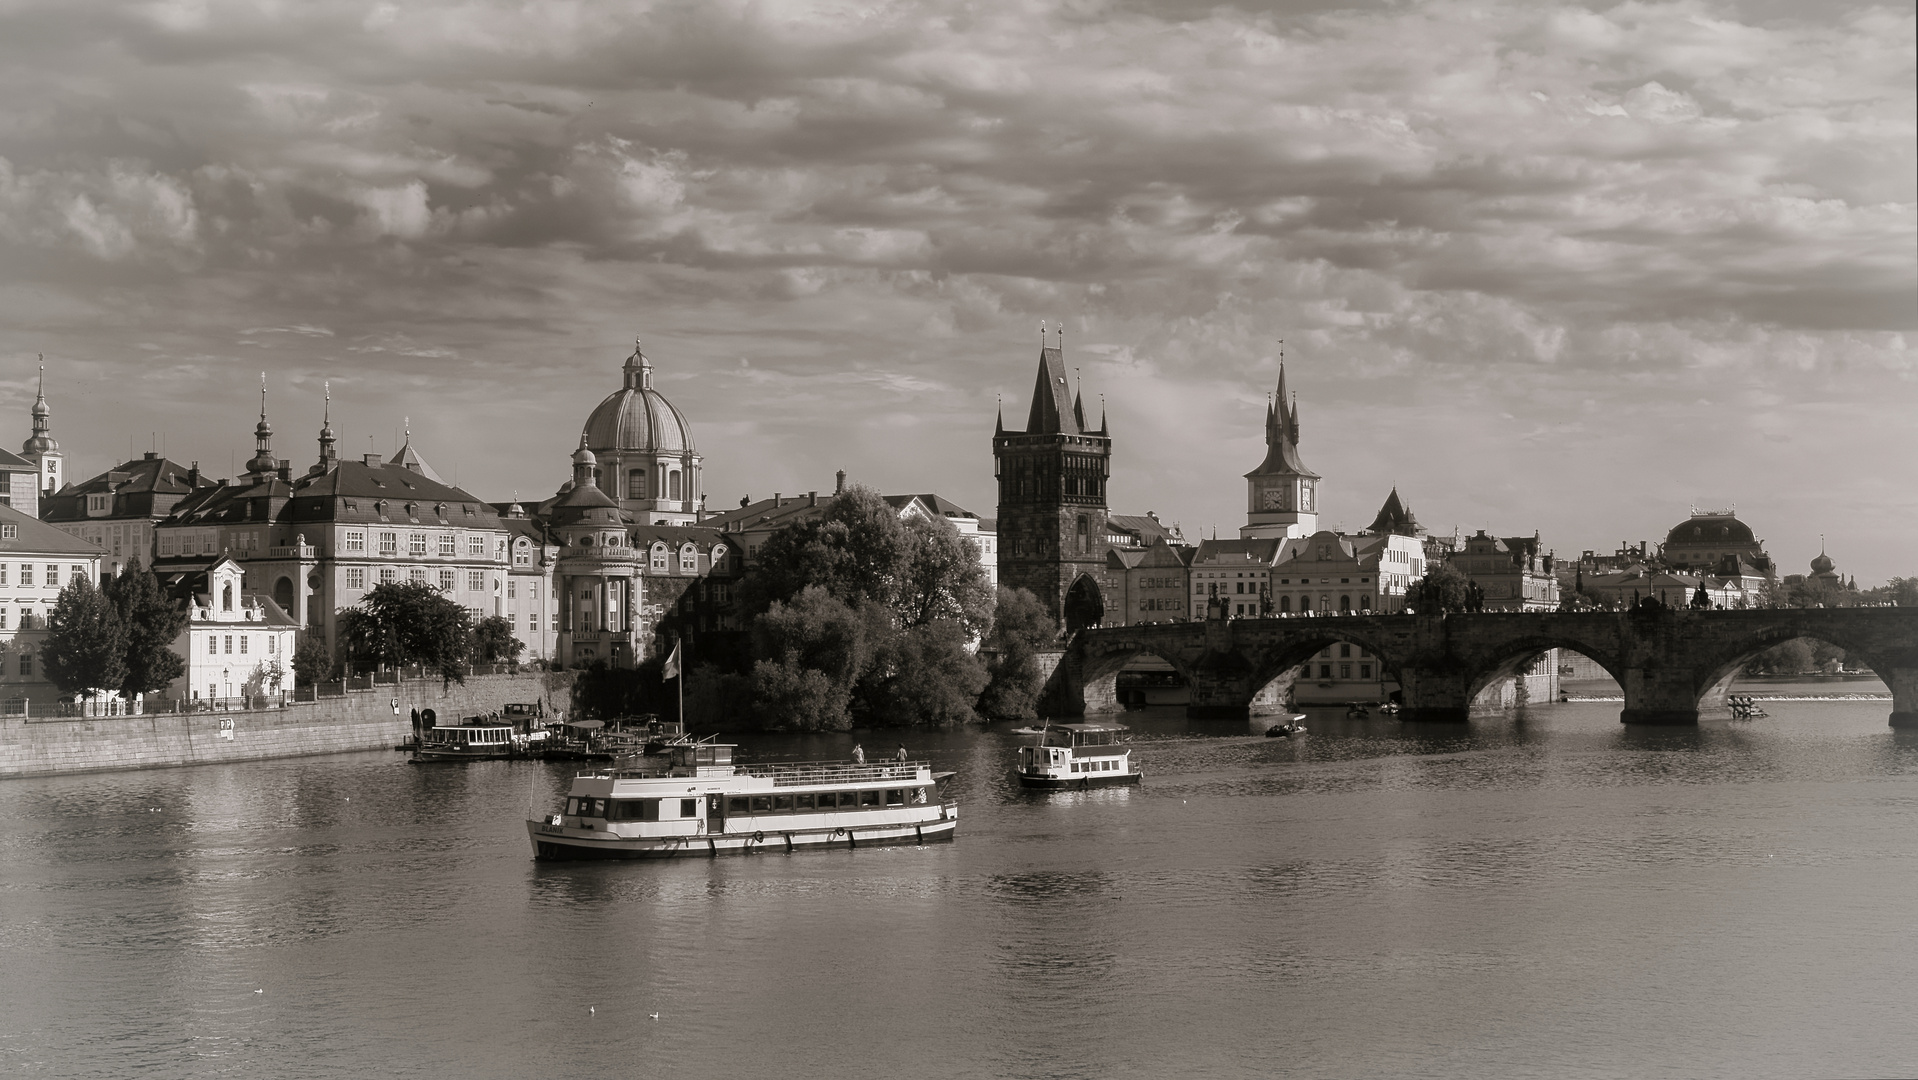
1572 268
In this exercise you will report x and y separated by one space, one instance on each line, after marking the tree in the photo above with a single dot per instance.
85 648
930 675
1021 626
1443 588
408 622
152 623
311 660
811 653
856 550
493 639
941 579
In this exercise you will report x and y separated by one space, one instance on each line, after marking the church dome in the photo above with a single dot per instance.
1822 564
638 418
1711 528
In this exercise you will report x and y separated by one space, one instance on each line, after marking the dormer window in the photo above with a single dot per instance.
719 556
440 509
689 558
659 557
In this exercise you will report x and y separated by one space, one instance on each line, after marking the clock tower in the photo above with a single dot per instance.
1282 495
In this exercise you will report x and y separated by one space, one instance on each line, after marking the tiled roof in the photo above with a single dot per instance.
37 537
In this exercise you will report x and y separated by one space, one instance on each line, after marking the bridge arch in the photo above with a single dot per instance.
1275 661
1512 655
1717 666
1085 604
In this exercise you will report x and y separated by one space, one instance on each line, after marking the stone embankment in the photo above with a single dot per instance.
361 720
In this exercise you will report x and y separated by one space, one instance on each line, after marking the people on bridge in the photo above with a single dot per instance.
858 754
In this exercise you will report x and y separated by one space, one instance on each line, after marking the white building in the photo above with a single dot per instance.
236 643
36 562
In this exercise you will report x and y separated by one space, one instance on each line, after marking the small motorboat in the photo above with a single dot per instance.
1288 728
1357 708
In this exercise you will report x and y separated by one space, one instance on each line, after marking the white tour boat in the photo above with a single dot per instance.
693 799
1077 756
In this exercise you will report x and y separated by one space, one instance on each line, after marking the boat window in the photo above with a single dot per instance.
689 808
737 805
572 806
633 810
869 798
802 802
712 805
782 804
919 796
895 797
592 807
762 804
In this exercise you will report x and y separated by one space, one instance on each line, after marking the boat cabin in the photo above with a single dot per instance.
1070 754
468 735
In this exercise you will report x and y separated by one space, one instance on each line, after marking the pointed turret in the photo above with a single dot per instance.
1395 518
329 456
1052 411
999 423
41 447
1281 494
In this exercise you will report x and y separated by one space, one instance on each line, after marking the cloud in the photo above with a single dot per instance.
1432 204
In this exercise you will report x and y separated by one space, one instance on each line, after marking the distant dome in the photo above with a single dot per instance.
638 418
1822 564
1710 529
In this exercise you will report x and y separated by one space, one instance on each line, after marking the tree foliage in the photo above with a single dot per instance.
311 660
493 639
859 617
408 622
152 622
85 647
1021 626
1443 588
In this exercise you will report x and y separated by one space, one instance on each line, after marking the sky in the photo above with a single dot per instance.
1555 267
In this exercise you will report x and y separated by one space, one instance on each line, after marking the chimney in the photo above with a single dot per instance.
193 476
150 455
372 461
776 503
812 498
841 488
286 470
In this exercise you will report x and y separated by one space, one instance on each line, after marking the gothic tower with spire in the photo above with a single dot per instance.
1282 495
41 448
1052 498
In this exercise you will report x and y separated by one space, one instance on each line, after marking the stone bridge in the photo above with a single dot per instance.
1670 661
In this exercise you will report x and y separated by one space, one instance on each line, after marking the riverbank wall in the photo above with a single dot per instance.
375 719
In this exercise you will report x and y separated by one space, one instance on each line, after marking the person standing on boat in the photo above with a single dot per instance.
858 754
901 755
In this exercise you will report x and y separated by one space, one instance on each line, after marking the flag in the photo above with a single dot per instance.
671 670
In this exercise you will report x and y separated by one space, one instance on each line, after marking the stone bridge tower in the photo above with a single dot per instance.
1052 499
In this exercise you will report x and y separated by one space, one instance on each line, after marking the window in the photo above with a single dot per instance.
636 484
417 574
476 581
522 552
1325 671
3 572
532 620
659 557
672 483
449 544
1345 650
243 638
354 540
388 575
446 581
26 663
3 618
512 589
9 532
688 808
213 646
1345 671
356 577
272 645
53 574
689 558
229 644
1365 671
476 546
76 572
416 543
389 543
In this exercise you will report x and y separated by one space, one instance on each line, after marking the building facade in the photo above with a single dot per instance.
36 562
1052 477
1513 572
120 509
238 645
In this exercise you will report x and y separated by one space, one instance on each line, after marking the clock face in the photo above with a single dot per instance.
1275 498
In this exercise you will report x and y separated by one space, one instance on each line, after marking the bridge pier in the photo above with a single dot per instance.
1904 695
1434 695
1659 696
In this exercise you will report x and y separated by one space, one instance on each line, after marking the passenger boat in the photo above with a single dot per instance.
472 739
1077 756
1286 728
692 798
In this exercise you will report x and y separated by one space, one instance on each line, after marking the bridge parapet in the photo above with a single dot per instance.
1666 660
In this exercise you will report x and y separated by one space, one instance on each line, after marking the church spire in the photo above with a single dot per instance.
263 463
41 447
329 456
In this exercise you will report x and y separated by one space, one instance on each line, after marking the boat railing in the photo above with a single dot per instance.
799 773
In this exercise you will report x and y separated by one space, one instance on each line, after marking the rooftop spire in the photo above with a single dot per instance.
263 462
42 441
328 455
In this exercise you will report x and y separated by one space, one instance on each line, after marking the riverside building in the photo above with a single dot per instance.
36 562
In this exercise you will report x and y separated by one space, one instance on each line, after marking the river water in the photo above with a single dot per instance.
1543 893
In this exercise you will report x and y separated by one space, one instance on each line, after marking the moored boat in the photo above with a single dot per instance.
472 739
692 798
1286 728
1077 756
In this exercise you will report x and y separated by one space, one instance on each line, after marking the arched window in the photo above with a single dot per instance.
1083 543
226 597
1285 605
672 485
688 558
283 594
659 557
1365 603
719 556
1345 604
636 484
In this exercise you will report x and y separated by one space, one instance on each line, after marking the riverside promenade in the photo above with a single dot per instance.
376 718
